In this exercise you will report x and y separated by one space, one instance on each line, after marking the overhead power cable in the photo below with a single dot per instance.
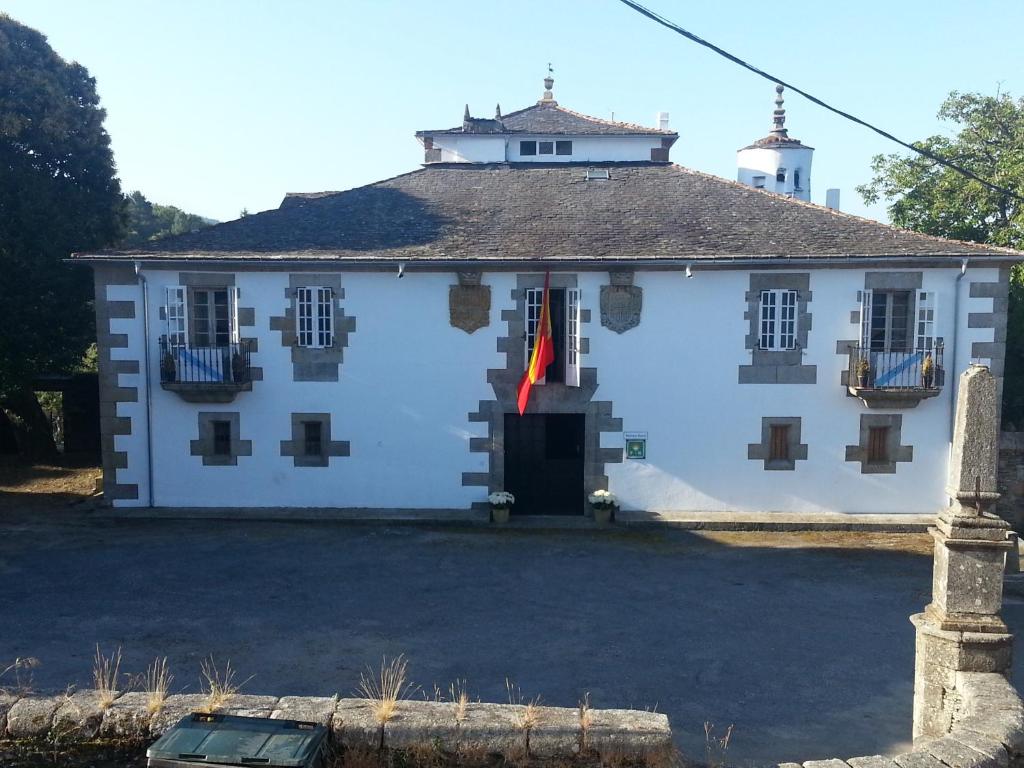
644 11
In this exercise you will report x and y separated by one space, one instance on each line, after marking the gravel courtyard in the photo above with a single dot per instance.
802 642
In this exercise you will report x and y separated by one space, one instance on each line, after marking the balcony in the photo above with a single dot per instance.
894 379
206 374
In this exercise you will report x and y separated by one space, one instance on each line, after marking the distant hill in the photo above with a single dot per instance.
148 221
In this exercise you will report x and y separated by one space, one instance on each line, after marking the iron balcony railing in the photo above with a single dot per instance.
205 366
882 369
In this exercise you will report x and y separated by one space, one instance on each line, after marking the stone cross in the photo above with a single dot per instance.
961 630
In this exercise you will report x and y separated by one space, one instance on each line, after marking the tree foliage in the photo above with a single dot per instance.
988 140
58 194
150 221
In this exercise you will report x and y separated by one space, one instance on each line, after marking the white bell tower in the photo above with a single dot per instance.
777 162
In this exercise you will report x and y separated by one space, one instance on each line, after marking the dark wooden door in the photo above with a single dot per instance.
544 463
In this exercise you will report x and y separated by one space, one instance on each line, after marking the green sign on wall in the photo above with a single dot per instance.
636 445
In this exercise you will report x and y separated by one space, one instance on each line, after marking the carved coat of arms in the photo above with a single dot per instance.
621 306
469 306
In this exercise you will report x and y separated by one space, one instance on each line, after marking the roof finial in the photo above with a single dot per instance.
779 115
465 115
549 82
497 112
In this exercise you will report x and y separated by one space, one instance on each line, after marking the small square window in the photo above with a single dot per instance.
759 182
312 436
878 445
221 438
527 148
545 147
780 175
563 147
778 449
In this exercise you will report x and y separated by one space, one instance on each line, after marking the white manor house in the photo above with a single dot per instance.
719 345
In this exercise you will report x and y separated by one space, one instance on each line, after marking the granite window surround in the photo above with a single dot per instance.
296 447
206 446
895 453
761 451
777 366
314 363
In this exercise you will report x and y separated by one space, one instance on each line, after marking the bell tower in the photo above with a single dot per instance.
778 162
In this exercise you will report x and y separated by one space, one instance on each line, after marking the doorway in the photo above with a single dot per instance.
544 463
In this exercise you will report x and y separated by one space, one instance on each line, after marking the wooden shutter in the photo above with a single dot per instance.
925 335
878 445
572 337
175 317
865 319
778 450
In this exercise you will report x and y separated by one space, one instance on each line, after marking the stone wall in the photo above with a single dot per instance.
480 730
1011 478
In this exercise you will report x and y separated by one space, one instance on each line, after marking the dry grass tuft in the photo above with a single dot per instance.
21 670
460 698
105 672
385 689
219 686
528 718
715 747
156 684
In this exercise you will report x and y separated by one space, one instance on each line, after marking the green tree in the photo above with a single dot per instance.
988 139
58 194
150 221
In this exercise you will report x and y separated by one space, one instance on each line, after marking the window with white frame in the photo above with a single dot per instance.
565 332
314 316
778 320
888 320
925 320
204 318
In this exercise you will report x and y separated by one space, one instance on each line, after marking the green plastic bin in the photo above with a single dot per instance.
230 740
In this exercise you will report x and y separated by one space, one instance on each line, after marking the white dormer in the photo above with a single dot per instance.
546 133
777 162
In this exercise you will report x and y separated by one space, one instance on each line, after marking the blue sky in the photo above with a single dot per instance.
219 105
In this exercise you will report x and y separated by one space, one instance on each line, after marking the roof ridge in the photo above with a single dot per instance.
844 214
616 123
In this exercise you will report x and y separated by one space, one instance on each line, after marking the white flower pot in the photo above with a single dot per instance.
604 514
499 515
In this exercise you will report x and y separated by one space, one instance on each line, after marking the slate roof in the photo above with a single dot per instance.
531 212
549 118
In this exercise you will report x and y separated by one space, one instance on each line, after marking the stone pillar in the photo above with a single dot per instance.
961 630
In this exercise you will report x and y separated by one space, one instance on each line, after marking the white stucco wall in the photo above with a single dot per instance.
457 148
409 381
765 161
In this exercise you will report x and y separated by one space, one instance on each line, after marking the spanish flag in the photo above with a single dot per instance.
543 350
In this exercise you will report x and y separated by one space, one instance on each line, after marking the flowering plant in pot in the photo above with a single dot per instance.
501 502
927 371
604 505
863 372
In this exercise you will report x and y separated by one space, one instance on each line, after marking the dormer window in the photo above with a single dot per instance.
545 147
780 175
527 148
